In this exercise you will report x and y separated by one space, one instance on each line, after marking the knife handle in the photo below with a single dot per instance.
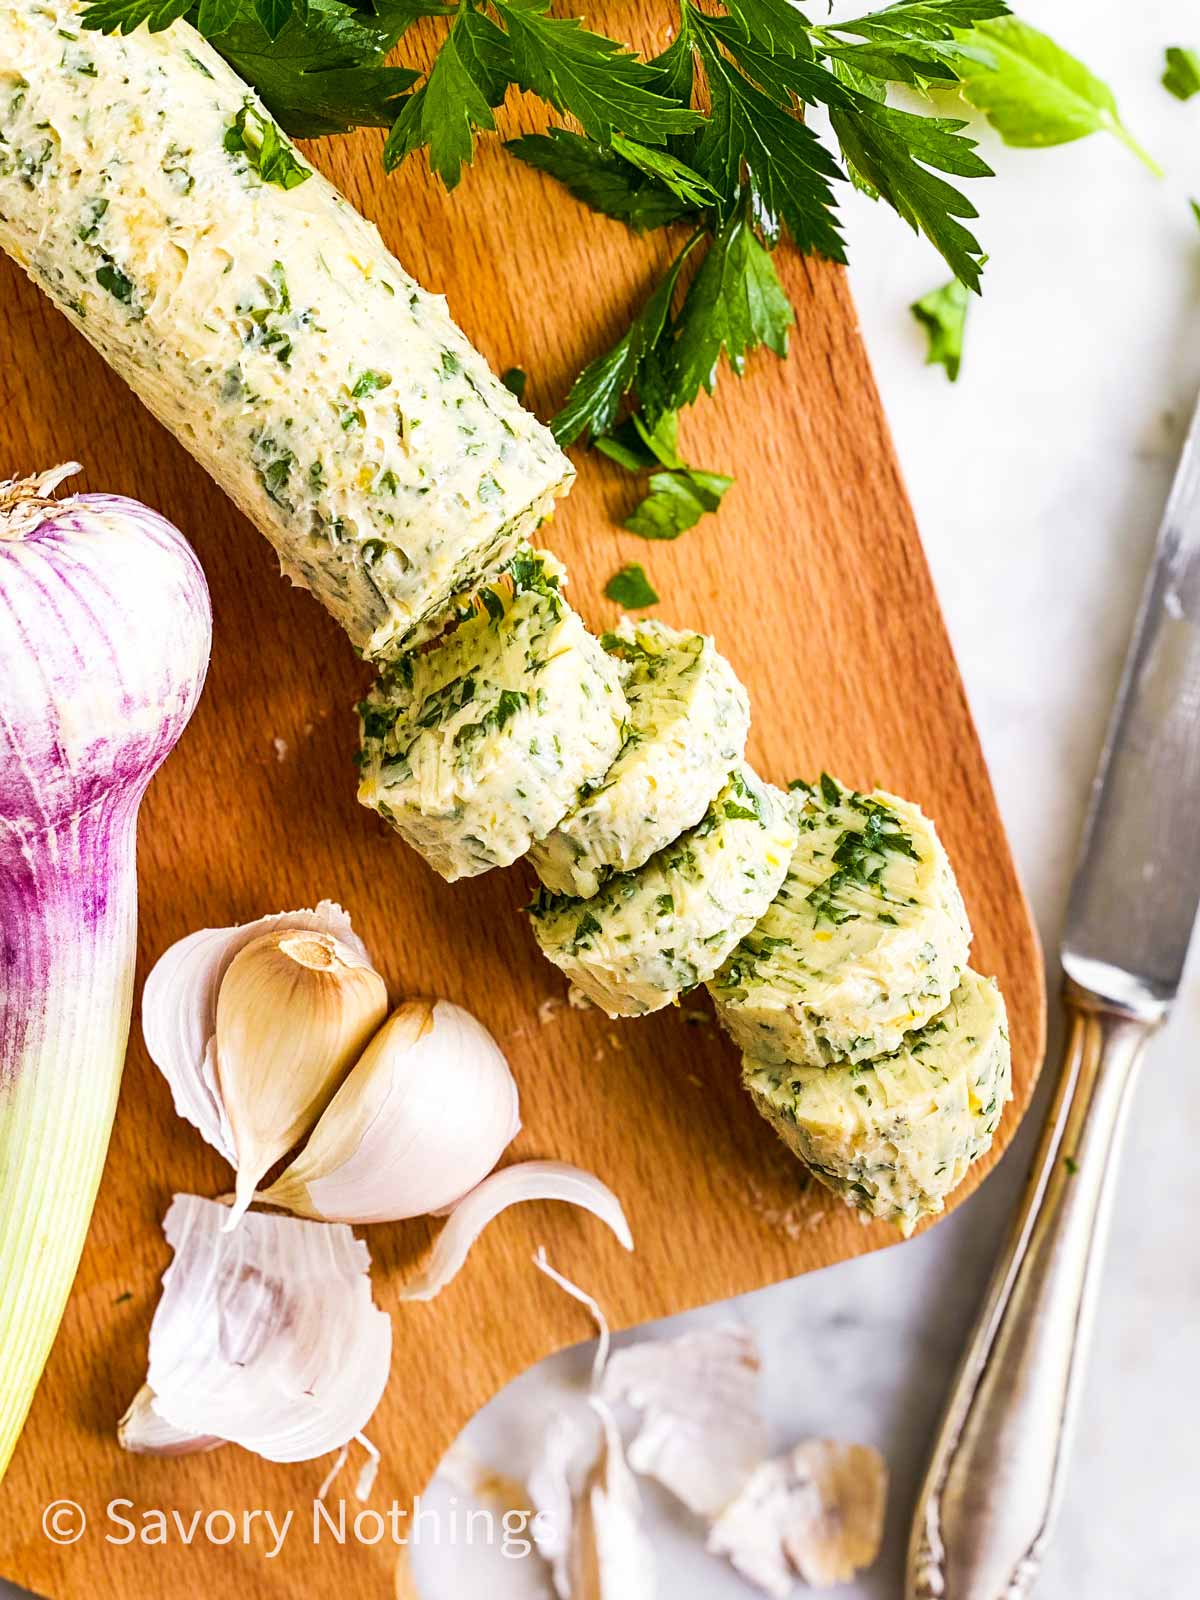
996 1473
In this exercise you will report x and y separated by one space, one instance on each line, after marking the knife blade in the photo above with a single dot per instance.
1137 882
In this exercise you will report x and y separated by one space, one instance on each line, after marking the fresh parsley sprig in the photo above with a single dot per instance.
715 134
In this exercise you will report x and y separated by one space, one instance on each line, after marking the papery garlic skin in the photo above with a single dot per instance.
611 1557
267 1336
294 1011
143 1432
702 1430
526 1180
179 1009
425 1114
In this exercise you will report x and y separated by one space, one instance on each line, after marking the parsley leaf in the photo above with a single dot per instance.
910 20
892 152
601 178
631 588
675 69
324 73
943 315
676 502
123 16
318 65
779 25
790 171
109 276
596 395
735 304
692 190
625 447
596 79
1036 94
514 380
678 497
266 150
468 77
1182 75
214 16
273 14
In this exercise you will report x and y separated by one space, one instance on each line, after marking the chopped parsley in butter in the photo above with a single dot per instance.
865 941
895 1135
666 927
688 720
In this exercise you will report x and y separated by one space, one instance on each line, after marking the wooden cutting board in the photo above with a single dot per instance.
813 581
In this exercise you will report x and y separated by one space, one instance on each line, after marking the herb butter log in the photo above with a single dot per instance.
650 934
260 318
864 943
895 1135
688 721
478 745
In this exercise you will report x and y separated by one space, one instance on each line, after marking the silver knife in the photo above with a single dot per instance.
999 1460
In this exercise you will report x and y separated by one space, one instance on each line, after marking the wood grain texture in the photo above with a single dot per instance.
813 581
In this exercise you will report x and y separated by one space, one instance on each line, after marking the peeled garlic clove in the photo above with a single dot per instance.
294 1011
702 1431
179 1009
527 1180
267 1336
422 1118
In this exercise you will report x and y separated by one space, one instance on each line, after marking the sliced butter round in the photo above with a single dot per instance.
864 943
668 926
477 746
894 1136
688 721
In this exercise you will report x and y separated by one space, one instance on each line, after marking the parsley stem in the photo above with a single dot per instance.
1121 132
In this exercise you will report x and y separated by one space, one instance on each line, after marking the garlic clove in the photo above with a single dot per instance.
179 1010
702 1432
422 1118
143 1432
527 1180
294 1011
267 1336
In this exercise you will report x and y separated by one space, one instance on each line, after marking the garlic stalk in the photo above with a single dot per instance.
528 1180
104 640
294 1011
266 1337
422 1118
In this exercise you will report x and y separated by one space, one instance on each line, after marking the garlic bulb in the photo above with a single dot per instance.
294 1010
422 1118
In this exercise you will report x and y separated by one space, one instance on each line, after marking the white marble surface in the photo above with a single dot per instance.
1038 482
